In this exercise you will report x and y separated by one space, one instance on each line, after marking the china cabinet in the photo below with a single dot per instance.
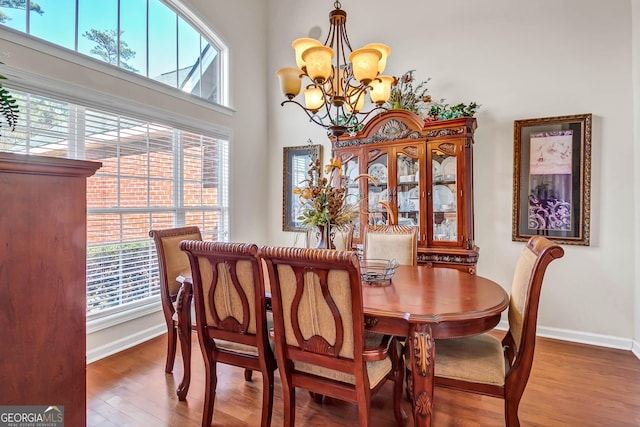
421 174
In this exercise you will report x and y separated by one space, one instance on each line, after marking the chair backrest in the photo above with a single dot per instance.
228 291
525 298
391 241
171 260
342 237
317 309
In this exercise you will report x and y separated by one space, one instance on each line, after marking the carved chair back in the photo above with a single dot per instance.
231 316
319 329
391 241
172 262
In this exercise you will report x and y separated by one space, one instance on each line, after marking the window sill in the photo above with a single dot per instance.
103 322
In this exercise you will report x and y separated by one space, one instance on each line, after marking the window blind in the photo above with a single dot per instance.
153 176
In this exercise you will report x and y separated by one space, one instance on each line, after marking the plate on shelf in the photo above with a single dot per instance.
379 172
406 221
435 170
413 193
352 171
442 196
448 168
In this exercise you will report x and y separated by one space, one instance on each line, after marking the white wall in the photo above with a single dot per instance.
519 59
636 109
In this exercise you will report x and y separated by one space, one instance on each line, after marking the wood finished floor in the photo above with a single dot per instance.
570 385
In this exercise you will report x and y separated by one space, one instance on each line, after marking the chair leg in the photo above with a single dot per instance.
398 412
409 385
511 411
209 391
398 380
316 397
172 338
267 397
184 334
289 398
248 374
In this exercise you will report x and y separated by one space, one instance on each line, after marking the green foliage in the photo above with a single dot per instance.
18 4
107 48
439 111
8 107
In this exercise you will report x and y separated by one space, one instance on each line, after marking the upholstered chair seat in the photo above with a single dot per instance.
477 359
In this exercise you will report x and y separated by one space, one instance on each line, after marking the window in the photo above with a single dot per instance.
152 176
142 36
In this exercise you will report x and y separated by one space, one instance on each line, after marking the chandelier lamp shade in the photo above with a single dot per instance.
338 78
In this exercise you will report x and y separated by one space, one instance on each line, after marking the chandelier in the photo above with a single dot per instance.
334 97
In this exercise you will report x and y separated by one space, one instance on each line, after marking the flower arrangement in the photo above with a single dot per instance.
404 96
324 195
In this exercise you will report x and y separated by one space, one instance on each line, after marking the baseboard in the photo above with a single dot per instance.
584 338
635 349
126 342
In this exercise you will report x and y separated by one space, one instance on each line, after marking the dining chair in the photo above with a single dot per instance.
319 333
231 316
391 241
171 262
342 237
484 364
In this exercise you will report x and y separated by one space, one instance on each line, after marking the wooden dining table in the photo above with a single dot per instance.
425 303
422 304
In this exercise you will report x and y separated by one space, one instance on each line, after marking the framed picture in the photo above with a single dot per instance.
296 163
552 179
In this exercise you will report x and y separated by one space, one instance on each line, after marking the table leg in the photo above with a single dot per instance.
422 357
185 297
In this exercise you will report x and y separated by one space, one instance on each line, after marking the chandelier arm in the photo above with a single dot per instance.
312 117
362 115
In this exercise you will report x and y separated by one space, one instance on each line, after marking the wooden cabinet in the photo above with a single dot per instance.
42 282
423 177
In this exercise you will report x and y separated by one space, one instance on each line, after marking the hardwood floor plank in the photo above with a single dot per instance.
570 385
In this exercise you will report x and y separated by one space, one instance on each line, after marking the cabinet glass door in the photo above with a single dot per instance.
444 196
408 190
378 192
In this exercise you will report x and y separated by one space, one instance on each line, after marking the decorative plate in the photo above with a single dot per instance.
379 172
435 170
352 171
442 196
448 167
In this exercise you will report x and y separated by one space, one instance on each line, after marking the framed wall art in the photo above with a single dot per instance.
296 161
552 179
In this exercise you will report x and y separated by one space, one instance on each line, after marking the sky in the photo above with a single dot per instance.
57 24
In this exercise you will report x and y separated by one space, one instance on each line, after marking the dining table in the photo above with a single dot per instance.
422 304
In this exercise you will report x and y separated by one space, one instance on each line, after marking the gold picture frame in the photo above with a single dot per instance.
296 162
552 179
